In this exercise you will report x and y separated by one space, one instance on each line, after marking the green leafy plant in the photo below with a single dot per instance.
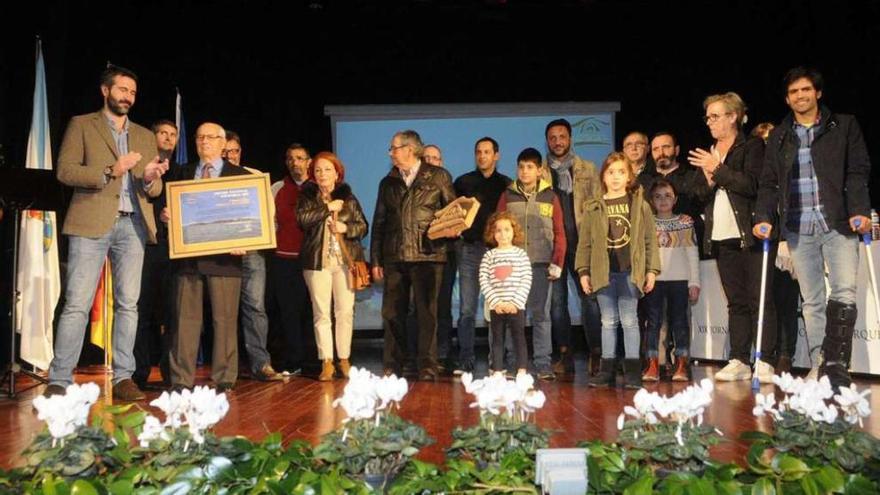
668 434
506 407
514 473
812 429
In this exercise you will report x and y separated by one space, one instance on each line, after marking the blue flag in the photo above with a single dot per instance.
180 156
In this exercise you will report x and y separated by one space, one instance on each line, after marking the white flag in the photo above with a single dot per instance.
39 280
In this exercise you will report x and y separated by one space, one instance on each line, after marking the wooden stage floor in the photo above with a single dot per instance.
301 408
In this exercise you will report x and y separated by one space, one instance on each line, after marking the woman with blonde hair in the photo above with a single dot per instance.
728 187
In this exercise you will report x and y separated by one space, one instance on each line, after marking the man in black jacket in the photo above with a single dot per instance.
403 255
221 273
814 191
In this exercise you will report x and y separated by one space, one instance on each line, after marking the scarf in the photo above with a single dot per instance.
562 166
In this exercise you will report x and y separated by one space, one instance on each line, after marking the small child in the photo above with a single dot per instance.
505 280
536 208
678 284
617 258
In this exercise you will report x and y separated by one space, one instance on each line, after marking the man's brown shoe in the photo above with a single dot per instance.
128 391
268 374
54 389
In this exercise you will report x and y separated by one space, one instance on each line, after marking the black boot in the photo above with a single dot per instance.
607 375
837 346
632 373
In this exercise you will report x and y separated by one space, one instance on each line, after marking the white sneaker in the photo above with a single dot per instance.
735 370
765 372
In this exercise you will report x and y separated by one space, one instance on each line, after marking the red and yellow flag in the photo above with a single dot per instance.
102 310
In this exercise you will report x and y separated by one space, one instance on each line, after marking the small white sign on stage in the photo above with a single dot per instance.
561 471
709 333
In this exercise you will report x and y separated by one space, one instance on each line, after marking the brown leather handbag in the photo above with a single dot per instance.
358 271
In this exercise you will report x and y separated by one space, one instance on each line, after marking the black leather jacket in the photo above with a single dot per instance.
312 213
403 215
738 175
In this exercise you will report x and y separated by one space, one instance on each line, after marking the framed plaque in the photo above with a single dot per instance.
220 215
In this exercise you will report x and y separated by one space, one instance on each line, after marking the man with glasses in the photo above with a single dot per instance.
254 322
113 166
402 253
635 148
288 284
221 274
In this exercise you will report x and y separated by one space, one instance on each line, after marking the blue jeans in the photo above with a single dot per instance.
469 256
254 322
619 306
810 254
124 244
675 294
559 314
538 307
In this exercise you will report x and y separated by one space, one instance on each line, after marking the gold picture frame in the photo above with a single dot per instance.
217 216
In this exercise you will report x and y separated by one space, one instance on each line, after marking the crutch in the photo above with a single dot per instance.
866 237
756 384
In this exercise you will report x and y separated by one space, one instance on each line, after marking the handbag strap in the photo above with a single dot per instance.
342 247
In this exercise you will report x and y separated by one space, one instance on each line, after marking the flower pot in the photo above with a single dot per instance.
380 481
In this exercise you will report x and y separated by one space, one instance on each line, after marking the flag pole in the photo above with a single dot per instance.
108 358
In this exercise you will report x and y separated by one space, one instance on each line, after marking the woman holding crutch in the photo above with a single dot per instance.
728 187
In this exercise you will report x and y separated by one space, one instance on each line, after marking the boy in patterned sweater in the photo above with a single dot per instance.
678 282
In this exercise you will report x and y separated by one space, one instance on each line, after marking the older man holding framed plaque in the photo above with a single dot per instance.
215 212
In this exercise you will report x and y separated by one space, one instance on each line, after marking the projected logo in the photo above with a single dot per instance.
591 130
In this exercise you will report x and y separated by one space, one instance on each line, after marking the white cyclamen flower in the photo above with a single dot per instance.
152 430
63 414
854 404
533 401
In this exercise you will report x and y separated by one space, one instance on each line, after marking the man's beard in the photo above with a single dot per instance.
665 163
116 107
564 152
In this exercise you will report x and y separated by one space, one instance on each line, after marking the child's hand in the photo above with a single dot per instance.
649 282
585 284
693 294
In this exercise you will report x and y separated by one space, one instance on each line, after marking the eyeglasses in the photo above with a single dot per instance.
635 145
205 137
713 117
393 148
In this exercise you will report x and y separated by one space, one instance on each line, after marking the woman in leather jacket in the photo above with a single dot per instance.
333 225
728 186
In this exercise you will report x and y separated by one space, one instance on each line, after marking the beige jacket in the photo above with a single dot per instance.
87 149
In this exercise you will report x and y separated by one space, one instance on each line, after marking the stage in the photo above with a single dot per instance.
301 408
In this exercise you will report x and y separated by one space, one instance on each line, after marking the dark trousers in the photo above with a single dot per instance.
444 314
515 325
740 272
224 293
153 340
786 296
424 280
294 308
561 318
674 293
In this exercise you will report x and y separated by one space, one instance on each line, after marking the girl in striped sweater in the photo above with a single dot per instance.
505 280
